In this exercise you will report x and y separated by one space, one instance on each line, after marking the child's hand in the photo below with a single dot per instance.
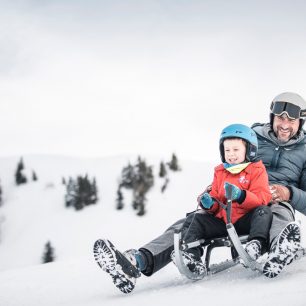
206 200
236 191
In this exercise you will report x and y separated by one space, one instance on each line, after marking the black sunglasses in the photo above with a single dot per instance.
291 110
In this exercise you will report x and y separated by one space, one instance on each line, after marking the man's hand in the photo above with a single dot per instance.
279 193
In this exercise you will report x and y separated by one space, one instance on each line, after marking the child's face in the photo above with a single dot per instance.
234 151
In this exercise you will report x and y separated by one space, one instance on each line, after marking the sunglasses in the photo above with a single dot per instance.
291 110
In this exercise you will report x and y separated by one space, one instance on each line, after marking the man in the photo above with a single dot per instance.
282 148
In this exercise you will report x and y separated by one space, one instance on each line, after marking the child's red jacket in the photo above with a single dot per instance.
253 179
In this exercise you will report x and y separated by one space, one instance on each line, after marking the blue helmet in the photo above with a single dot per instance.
243 132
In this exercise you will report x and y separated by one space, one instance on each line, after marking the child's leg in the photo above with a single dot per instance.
257 224
202 226
260 225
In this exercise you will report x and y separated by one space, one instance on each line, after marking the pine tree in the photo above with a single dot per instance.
140 179
162 170
80 193
143 181
48 255
34 176
63 181
119 199
71 190
93 192
127 177
20 178
173 164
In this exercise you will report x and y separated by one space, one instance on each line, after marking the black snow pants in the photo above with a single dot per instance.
199 225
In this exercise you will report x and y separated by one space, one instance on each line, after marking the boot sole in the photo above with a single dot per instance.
274 266
105 256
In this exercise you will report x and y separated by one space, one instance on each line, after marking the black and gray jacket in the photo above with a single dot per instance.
285 162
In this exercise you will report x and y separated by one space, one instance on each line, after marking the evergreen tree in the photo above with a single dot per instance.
119 199
34 176
93 192
63 181
173 164
162 170
143 181
48 255
127 177
140 204
71 191
81 192
140 179
20 178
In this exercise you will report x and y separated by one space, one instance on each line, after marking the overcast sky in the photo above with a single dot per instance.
99 78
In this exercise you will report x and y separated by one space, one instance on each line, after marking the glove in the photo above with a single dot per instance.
236 191
199 197
280 193
206 200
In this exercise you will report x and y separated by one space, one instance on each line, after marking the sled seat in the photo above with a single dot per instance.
209 244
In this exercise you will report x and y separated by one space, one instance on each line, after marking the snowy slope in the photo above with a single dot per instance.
35 212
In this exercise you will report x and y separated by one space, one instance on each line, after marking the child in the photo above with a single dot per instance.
250 195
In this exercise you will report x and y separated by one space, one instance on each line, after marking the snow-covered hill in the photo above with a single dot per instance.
35 212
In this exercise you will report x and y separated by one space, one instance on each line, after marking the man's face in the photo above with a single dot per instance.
284 127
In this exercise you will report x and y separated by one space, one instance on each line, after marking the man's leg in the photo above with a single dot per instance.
157 252
281 217
124 268
285 240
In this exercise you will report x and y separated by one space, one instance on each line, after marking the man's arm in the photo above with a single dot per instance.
295 196
298 198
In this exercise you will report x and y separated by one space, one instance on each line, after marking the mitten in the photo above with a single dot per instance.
206 200
236 191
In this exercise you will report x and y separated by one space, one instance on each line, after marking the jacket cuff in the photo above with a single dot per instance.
242 197
290 191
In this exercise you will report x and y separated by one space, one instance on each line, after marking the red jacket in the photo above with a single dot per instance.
253 179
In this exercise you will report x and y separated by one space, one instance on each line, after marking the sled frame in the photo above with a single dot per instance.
232 240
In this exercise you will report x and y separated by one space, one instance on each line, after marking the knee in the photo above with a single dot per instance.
264 211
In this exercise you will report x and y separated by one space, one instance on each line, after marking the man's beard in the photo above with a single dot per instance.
282 139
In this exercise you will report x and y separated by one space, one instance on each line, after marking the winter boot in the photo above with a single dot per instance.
121 267
283 251
194 265
253 248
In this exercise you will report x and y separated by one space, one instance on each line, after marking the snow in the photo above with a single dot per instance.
35 212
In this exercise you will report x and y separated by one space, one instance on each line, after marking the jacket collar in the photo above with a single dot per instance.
266 132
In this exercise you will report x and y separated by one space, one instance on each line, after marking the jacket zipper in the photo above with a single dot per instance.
275 158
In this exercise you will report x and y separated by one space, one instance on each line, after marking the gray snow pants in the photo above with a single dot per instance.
282 214
158 251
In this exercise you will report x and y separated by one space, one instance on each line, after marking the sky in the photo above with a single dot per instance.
101 78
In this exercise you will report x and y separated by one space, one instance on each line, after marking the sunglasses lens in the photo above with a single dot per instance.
292 111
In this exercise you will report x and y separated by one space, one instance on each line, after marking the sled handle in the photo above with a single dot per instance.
228 206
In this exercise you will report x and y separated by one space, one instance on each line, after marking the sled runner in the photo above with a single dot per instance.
239 255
